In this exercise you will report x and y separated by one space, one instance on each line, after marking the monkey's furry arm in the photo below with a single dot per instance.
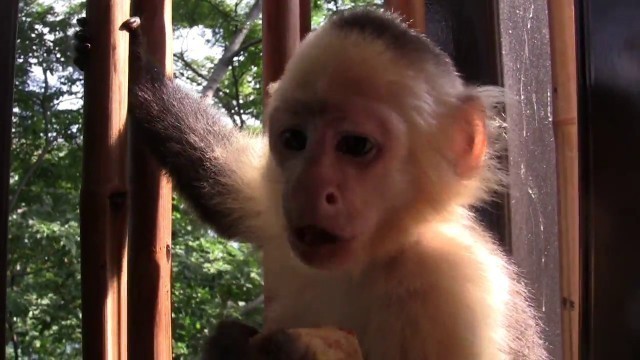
214 166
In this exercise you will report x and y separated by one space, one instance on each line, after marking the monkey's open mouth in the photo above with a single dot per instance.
319 247
315 236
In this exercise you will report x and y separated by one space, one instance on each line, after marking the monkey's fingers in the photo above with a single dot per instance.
81 45
229 341
236 329
141 66
131 25
80 62
81 42
82 22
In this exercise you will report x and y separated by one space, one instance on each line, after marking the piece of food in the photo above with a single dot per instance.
329 343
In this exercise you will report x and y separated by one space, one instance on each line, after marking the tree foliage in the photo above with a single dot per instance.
212 278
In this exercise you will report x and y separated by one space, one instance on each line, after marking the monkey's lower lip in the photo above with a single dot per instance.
318 247
315 236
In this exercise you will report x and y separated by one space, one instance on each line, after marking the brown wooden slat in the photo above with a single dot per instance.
305 18
565 115
103 211
150 229
280 37
608 132
8 29
412 10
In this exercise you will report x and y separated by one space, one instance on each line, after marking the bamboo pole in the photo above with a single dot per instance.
8 30
150 228
103 198
280 37
412 10
565 109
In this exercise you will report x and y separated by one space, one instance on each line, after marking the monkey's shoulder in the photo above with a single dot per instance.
442 264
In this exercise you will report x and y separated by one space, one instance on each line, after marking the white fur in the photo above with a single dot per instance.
447 293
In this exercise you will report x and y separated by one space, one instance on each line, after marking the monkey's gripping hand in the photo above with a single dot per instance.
81 45
187 138
234 340
185 135
230 340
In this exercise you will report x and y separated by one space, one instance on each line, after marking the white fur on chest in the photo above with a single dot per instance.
302 297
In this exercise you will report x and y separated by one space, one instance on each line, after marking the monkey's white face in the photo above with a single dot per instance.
340 161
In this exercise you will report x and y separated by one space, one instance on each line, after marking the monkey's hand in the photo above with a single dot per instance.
141 66
230 340
235 340
81 45
140 63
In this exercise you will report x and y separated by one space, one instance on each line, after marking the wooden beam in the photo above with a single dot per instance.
565 115
608 132
8 29
103 198
150 228
526 59
412 10
305 18
280 37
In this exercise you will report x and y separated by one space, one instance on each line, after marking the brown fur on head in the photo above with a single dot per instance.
366 73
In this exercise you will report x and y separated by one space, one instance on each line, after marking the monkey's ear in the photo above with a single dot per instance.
469 137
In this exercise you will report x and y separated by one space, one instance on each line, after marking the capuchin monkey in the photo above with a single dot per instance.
359 195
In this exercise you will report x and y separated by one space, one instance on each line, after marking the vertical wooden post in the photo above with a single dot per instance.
412 10
524 32
280 37
565 114
8 27
305 18
103 198
609 112
150 228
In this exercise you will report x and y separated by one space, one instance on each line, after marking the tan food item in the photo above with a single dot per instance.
329 343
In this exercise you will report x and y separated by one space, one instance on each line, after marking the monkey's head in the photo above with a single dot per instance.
375 135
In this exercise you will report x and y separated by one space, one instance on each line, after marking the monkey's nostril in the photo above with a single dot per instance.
331 198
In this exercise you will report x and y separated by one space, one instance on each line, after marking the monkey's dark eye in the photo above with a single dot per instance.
354 145
293 139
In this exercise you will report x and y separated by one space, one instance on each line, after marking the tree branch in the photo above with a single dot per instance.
221 68
29 175
180 57
46 115
246 46
254 304
15 343
236 83
217 8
